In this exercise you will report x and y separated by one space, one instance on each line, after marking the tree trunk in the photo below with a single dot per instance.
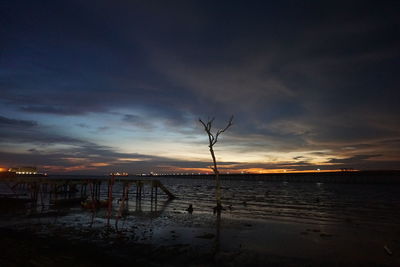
212 141
217 181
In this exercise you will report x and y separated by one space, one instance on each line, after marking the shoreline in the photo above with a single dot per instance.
276 224
334 177
184 240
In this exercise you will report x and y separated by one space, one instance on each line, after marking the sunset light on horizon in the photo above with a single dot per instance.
199 133
94 88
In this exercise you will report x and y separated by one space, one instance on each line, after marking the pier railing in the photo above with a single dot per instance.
62 189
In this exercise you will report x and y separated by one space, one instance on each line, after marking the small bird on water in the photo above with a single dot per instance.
190 209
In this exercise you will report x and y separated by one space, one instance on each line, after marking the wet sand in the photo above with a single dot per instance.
180 239
268 224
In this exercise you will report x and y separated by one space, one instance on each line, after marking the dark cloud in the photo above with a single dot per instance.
137 121
14 131
51 110
315 77
354 159
8 122
364 162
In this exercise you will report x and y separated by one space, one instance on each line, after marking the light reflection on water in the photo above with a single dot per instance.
306 202
314 202
259 221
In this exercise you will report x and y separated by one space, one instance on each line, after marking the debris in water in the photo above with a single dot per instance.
206 236
388 251
190 209
325 235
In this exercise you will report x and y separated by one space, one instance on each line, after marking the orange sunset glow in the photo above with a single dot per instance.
199 133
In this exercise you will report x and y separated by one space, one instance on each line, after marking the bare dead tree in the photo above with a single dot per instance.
213 139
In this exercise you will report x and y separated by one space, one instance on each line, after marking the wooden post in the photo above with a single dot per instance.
99 190
140 191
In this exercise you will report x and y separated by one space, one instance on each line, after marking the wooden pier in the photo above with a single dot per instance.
67 190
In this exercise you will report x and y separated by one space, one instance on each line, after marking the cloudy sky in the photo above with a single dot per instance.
99 86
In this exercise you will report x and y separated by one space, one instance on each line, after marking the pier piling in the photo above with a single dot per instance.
57 189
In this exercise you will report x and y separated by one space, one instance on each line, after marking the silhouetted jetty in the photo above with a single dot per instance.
64 191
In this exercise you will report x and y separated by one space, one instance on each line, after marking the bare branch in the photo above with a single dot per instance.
205 127
223 130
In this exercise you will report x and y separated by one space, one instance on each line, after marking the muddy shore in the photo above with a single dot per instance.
263 224
192 241
26 248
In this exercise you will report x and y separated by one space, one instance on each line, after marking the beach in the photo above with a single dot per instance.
264 223
199 133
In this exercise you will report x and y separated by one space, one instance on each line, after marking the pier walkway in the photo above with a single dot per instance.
93 189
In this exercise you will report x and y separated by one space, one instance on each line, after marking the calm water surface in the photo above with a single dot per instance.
313 202
321 203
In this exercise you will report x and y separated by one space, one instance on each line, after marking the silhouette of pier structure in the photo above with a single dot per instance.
69 190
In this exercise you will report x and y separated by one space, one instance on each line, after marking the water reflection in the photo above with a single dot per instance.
309 202
217 240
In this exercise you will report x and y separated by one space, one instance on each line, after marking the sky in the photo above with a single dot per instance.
90 87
